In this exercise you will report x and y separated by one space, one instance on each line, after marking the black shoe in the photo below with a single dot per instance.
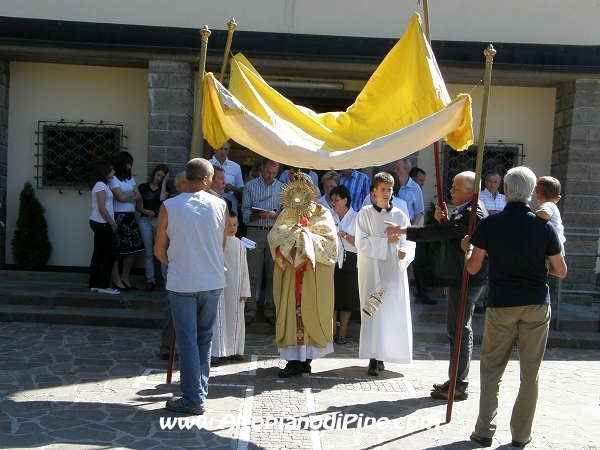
121 289
177 405
426 300
292 368
129 288
518 444
149 286
443 395
479 310
341 340
163 353
214 361
442 387
373 371
380 365
484 442
306 366
237 357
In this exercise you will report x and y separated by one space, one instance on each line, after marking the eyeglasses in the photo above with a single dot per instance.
456 188
335 201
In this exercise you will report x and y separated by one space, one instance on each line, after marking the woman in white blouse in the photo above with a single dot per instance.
345 277
129 239
104 227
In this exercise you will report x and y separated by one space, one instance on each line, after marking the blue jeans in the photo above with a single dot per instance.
148 231
194 314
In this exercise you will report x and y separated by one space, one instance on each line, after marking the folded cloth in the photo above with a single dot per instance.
251 245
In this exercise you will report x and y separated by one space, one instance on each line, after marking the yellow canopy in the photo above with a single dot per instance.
403 108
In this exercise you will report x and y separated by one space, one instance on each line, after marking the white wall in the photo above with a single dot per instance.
51 92
540 21
515 116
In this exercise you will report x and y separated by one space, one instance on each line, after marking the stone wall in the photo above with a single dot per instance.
576 163
4 84
170 112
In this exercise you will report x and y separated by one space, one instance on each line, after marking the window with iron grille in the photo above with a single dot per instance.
68 152
496 157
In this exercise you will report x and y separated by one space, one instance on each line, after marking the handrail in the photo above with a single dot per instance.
574 291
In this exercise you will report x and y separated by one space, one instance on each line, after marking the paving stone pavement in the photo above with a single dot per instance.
74 387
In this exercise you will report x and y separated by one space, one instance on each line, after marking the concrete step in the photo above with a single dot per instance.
78 296
56 277
56 297
573 317
82 316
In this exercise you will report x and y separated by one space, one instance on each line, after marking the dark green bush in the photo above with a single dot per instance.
30 244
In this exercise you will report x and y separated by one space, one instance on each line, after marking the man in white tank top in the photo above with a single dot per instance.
189 240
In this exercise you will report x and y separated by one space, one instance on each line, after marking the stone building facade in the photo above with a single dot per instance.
170 56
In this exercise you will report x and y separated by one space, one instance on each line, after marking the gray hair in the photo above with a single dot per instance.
519 183
331 175
197 169
468 178
407 163
180 176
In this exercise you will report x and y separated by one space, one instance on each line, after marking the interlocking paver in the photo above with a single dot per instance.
72 387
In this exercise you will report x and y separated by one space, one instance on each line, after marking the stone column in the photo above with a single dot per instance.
576 163
170 111
4 84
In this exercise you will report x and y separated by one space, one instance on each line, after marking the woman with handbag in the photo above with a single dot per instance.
129 239
345 277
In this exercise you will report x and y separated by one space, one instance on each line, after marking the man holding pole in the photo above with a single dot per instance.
518 244
450 271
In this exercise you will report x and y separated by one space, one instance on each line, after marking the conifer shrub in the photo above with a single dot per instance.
30 244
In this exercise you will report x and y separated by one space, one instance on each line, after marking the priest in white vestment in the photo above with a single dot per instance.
386 335
303 243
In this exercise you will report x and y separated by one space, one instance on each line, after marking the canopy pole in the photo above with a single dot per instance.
489 58
436 144
426 21
197 121
230 29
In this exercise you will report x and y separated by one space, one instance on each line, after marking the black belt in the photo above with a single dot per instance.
260 228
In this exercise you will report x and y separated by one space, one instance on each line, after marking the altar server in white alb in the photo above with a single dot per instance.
382 264
229 331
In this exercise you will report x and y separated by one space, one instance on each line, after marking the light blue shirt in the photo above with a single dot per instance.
491 203
413 196
359 186
259 194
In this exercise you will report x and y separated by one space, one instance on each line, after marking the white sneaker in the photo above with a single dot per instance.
108 291
93 289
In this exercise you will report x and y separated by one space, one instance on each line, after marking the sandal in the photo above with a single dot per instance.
341 340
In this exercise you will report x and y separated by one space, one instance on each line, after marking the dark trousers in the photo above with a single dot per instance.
104 256
419 266
167 326
466 342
